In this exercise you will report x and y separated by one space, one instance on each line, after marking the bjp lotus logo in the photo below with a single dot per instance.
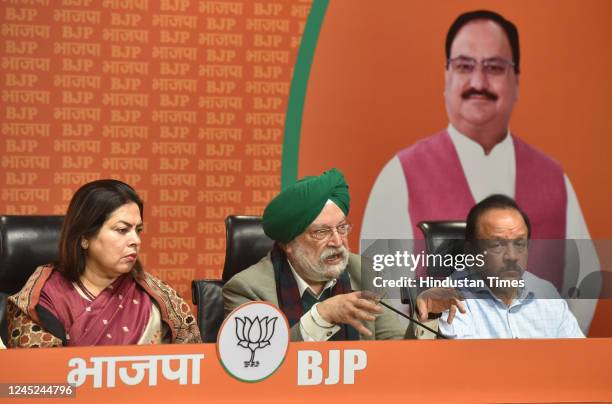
253 341
254 334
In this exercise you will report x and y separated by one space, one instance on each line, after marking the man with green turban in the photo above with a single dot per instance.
294 209
310 273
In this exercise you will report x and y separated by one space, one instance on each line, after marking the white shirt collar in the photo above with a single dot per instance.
302 285
464 142
486 174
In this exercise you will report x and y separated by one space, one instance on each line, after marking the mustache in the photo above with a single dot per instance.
512 267
472 91
330 251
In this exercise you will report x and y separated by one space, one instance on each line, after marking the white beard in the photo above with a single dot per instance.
320 271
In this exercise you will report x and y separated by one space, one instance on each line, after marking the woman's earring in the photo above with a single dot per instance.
84 244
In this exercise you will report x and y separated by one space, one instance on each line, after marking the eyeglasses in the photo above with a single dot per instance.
325 233
495 67
500 246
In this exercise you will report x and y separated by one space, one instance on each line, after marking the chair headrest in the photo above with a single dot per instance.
436 232
246 244
443 237
25 243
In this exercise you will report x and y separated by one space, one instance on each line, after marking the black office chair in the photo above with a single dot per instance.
206 295
443 237
436 232
245 245
25 243
440 237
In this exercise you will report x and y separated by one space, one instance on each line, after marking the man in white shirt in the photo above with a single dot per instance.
443 176
505 300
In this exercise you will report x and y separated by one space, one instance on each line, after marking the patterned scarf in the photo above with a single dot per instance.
289 299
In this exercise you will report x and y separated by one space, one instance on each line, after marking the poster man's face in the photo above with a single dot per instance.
480 100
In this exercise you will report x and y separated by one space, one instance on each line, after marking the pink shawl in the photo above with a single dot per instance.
117 316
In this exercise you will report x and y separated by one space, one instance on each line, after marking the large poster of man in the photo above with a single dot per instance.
430 108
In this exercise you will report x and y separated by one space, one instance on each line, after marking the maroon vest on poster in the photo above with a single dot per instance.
438 190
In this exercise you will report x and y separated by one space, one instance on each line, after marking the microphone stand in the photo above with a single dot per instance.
412 320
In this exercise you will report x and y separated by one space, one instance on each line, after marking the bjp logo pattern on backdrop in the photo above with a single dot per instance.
184 100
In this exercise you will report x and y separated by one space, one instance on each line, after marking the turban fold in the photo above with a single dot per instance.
298 205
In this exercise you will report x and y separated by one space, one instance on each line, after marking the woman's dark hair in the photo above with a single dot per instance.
89 208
